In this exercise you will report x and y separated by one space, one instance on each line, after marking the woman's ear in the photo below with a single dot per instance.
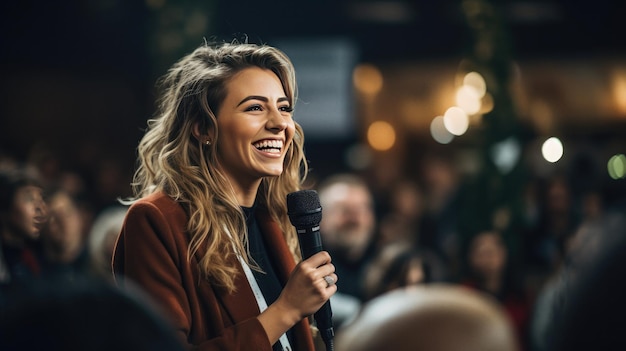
200 135
196 131
204 137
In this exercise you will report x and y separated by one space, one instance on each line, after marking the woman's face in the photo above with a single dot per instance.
255 127
28 213
488 254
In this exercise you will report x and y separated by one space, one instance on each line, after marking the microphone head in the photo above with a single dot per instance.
304 209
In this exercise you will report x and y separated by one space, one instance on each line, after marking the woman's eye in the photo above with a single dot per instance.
286 109
254 108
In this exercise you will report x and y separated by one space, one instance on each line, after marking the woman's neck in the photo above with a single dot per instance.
246 193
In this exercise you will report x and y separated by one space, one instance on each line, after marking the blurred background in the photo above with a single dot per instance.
502 115
505 92
376 79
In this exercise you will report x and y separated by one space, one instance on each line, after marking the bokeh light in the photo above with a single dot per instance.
456 120
367 79
467 99
476 82
486 104
619 91
439 131
552 149
381 136
505 154
617 166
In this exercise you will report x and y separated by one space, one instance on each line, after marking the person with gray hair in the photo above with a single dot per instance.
101 240
348 229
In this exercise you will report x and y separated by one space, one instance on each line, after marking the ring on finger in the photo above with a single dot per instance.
329 280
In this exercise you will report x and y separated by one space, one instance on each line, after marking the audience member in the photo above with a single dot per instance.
396 265
23 213
432 317
348 229
86 315
442 194
581 306
489 270
403 222
101 240
64 252
593 299
557 222
403 218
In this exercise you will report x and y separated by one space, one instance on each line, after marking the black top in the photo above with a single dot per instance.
267 280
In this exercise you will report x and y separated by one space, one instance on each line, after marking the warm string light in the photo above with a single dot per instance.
552 149
367 79
469 102
381 136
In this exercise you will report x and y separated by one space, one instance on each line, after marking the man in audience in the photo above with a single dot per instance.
347 228
435 317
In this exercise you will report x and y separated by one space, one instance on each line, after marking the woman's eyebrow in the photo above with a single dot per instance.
253 97
262 98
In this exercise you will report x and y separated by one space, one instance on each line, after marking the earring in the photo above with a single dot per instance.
207 142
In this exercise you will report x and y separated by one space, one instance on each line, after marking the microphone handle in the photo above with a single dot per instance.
310 244
324 321
310 241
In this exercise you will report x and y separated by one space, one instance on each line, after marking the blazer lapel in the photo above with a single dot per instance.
239 305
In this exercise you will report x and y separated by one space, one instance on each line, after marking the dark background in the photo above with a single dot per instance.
78 76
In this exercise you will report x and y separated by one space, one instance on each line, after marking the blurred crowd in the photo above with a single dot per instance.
55 224
56 229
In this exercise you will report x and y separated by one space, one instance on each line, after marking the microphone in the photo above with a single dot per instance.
305 213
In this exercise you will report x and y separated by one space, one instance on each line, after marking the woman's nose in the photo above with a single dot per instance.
276 120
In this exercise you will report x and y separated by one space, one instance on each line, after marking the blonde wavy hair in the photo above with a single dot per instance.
172 160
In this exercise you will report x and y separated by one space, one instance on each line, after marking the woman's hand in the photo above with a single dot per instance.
305 293
307 290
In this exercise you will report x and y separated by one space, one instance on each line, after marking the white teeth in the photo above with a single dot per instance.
270 145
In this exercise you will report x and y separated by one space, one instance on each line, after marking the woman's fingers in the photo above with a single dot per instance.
320 270
319 259
310 284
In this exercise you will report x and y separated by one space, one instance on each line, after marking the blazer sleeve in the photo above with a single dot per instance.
151 252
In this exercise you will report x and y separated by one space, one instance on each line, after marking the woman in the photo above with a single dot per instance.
490 270
23 213
208 234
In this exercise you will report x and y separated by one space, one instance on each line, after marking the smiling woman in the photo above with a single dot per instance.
253 130
207 234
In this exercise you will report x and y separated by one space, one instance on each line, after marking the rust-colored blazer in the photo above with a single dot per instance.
152 252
